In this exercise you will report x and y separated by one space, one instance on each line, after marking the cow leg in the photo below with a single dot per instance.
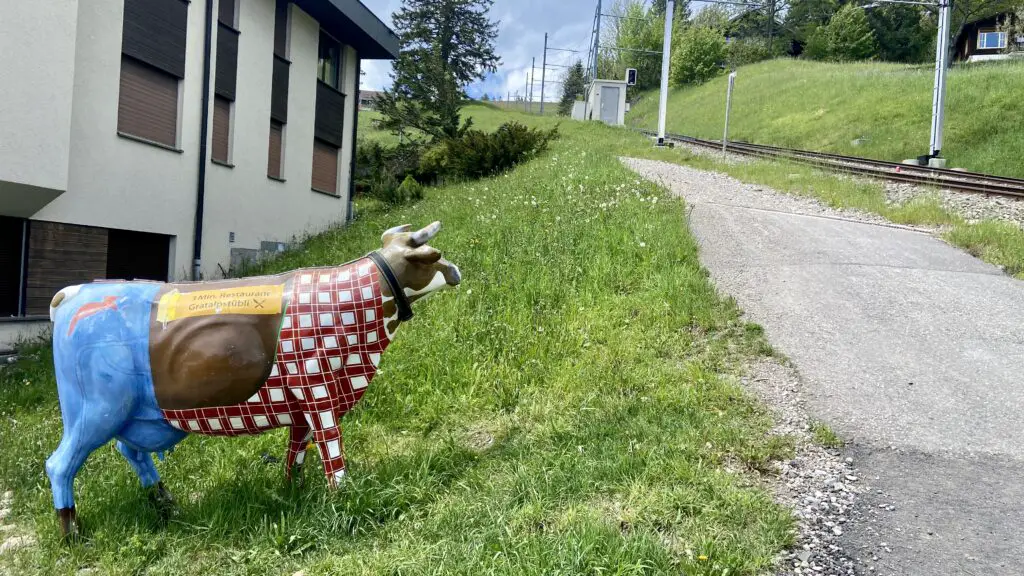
328 441
97 397
299 436
145 469
80 439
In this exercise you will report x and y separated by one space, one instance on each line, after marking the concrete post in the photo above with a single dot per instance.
666 53
728 105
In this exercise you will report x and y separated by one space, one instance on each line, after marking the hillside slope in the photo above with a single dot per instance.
821 106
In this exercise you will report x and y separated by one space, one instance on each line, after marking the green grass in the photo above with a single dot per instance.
821 106
825 436
565 411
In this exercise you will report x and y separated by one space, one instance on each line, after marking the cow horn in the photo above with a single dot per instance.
421 237
392 231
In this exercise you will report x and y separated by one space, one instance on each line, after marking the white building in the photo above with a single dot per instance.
606 101
127 126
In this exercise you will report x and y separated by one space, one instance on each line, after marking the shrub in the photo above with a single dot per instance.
697 55
847 36
379 166
743 51
477 154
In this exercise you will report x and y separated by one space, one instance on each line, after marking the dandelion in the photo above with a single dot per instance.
702 558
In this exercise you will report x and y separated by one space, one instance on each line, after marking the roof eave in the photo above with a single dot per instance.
351 22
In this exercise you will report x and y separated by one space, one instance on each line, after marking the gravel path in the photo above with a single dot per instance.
10 539
908 347
818 484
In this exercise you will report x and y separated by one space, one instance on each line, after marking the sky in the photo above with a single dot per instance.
521 28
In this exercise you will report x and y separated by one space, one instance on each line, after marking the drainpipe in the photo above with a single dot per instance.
197 247
355 132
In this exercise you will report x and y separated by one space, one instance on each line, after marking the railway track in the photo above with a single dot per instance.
923 175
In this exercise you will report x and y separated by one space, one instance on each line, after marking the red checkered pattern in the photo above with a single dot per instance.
331 340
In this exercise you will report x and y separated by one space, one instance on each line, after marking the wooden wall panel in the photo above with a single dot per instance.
61 255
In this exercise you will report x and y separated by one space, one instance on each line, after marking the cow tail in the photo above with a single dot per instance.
60 297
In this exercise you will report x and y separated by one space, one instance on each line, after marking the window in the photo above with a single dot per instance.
221 130
278 93
147 104
991 40
275 154
329 64
152 65
224 80
12 255
325 167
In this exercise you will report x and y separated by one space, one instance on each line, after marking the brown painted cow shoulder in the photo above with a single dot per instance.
218 359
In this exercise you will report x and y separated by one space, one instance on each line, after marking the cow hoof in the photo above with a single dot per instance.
69 529
162 500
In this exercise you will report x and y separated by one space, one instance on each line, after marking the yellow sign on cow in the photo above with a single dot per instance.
176 305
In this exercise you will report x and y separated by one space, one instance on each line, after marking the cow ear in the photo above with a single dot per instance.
424 255
392 232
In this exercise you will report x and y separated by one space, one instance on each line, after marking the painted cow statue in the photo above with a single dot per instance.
146 363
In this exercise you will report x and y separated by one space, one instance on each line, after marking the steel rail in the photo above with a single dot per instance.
941 177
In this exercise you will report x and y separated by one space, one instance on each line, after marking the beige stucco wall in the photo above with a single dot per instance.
37 73
114 182
242 199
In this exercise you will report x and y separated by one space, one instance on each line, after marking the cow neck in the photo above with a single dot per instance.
401 299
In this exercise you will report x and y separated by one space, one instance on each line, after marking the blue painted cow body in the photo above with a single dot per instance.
105 384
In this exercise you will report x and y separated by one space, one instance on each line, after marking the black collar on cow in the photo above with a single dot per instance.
401 300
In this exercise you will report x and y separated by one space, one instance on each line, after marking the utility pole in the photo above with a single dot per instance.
941 66
543 70
666 52
597 40
533 66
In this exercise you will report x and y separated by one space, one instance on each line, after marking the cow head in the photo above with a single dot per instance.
420 269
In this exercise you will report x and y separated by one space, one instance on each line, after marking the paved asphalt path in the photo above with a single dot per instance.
913 351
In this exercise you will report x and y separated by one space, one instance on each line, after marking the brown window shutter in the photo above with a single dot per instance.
274 167
325 167
147 103
221 128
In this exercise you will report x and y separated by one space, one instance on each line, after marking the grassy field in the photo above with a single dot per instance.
567 410
820 106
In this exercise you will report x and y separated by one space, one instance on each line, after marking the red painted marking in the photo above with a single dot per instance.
109 303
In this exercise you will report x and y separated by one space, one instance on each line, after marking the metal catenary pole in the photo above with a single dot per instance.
728 105
533 76
543 69
939 92
666 51
597 40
